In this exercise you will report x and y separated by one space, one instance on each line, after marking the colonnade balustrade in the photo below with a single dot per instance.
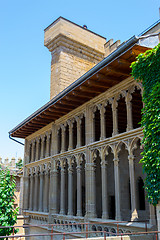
38 179
40 147
77 185
117 114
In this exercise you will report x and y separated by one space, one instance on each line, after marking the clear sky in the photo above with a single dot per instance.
25 62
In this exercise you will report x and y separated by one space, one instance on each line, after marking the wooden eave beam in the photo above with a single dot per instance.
90 90
120 72
98 84
84 95
105 79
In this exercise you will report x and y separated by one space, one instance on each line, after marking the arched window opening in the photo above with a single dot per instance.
97 125
74 134
83 133
66 137
137 106
108 121
59 140
141 194
122 115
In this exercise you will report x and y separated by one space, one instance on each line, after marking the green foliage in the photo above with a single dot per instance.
19 164
147 69
8 215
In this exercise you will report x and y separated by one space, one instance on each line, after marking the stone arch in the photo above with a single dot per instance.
133 144
119 146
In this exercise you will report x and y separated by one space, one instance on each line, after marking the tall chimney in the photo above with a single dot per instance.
74 51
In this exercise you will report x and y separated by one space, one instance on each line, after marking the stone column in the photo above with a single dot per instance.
79 190
115 117
63 139
47 145
40 209
129 112
133 188
90 190
26 195
62 198
21 195
33 148
45 190
36 191
152 219
37 148
78 132
70 190
42 147
31 193
104 189
103 125
53 189
117 189
70 124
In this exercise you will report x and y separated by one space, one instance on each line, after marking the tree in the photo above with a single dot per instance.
8 214
19 164
147 70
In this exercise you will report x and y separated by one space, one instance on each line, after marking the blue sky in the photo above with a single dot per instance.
25 62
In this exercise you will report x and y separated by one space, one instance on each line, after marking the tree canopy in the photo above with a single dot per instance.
8 214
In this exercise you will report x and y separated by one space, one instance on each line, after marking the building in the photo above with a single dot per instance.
82 148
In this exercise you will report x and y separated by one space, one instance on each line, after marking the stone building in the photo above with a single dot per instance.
82 148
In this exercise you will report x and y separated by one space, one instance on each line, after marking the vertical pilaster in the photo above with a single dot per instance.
129 111
21 195
70 190
104 188
117 188
62 198
133 188
79 190
41 192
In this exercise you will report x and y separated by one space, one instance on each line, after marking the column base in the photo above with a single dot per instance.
105 216
79 214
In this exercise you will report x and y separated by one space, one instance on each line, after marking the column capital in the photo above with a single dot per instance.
116 161
130 158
